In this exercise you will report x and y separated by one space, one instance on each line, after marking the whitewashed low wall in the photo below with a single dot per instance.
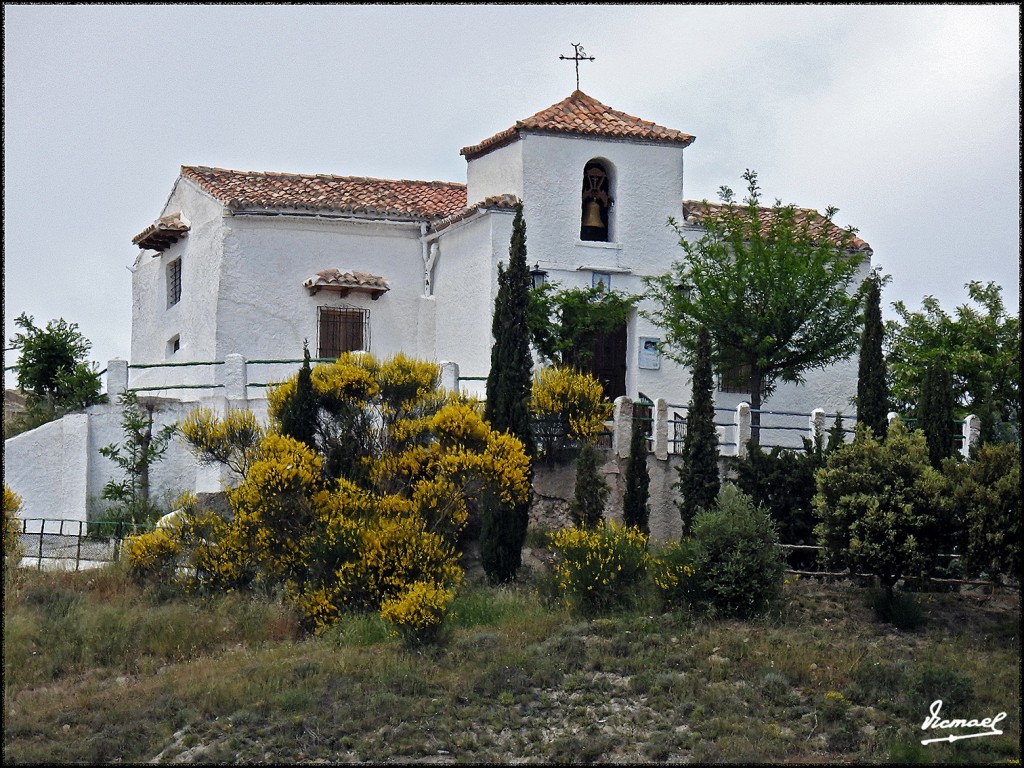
59 473
49 468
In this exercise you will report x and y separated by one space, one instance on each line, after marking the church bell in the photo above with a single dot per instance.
592 215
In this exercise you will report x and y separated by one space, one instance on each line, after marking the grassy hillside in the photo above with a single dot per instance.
97 671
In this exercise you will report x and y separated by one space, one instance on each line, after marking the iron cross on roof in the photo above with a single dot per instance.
581 55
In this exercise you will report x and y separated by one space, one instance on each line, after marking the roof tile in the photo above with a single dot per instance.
349 194
694 212
583 115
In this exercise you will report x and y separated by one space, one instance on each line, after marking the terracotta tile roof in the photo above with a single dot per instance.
348 194
695 210
163 232
582 115
347 281
495 202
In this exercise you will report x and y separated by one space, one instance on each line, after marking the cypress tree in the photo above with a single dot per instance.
299 416
698 474
935 412
872 391
511 375
591 490
635 512
503 526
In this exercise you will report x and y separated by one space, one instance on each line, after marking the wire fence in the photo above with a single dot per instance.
74 544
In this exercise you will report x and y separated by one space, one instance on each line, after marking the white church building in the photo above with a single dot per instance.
254 263
239 268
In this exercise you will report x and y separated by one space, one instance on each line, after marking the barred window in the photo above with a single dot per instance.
173 282
737 380
342 329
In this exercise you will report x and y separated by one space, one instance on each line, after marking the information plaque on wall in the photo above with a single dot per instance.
650 355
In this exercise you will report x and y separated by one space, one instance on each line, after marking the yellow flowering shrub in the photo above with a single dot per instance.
596 568
416 614
672 567
568 405
153 555
233 440
348 377
12 527
369 517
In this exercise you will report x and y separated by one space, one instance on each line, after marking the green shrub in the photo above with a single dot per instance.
882 507
901 610
739 565
596 569
782 481
986 492
955 690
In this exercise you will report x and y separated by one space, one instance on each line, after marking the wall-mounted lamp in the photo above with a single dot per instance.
685 290
538 276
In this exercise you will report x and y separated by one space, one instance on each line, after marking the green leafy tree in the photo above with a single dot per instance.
935 412
636 497
882 507
503 525
872 389
136 454
52 369
980 345
776 287
699 481
566 324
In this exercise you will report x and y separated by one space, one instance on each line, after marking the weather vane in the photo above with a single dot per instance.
581 55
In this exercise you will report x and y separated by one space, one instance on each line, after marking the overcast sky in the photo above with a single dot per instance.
906 118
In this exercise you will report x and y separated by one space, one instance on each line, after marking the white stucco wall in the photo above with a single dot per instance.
48 468
154 324
264 311
499 172
465 284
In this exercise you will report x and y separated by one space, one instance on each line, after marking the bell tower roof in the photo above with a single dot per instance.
582 115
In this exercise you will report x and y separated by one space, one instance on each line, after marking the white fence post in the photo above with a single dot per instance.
623 429
971 433
450 375
816 424
117 378
742 429
660 432
235 381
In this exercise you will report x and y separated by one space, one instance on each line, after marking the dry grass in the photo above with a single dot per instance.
98 671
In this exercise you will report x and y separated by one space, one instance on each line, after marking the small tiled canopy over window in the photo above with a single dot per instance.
173 282
342 329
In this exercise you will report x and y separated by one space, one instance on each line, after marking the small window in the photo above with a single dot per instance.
173 282
342 329
173 345
602 281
